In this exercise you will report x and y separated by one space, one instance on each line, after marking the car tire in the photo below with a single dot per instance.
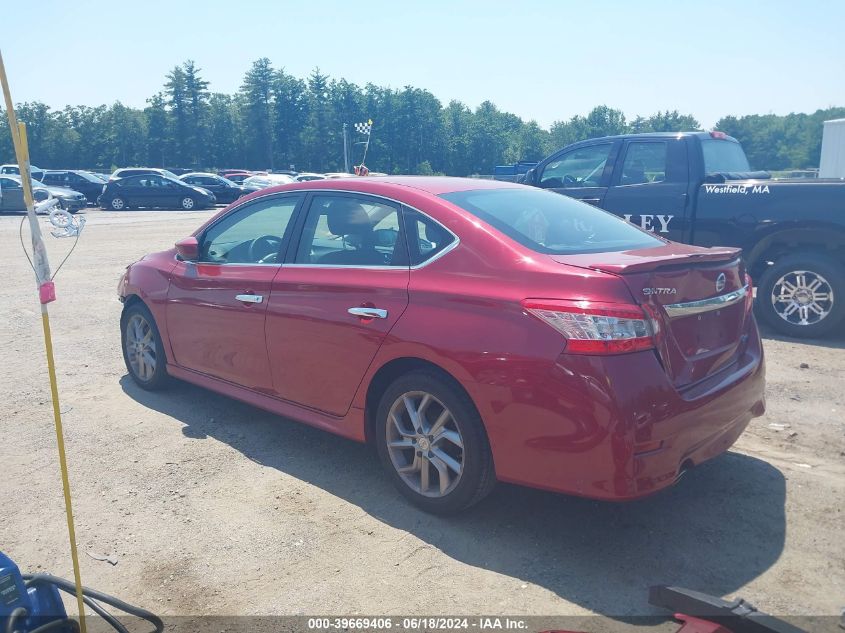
143 351
458 447
188 203
118 204
802 295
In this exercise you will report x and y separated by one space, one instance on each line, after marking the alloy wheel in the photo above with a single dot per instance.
802 297
117 204
425 444
140 347
187 203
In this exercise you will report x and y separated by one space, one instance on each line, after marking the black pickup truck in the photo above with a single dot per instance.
698 188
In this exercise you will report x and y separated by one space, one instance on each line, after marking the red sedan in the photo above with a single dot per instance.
472 330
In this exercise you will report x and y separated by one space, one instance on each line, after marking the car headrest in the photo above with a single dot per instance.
348 218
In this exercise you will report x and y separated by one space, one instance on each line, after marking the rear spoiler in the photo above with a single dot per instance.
645 260
724 176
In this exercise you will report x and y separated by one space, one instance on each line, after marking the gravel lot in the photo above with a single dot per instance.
211 506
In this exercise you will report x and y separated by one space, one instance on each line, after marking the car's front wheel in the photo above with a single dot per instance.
188 203
117 204
143 351
432 442
803 295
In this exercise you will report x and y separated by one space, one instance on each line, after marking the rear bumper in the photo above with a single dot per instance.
614 427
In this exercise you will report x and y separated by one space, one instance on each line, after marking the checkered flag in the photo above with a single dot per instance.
364 128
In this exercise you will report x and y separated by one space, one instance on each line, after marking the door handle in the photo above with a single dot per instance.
368 313
250 298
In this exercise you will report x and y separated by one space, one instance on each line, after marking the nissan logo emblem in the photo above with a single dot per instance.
720 282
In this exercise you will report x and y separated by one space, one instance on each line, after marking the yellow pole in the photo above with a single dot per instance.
42 271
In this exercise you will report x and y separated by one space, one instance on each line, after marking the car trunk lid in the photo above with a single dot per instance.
695 296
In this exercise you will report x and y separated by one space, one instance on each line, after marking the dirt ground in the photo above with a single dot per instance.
211 506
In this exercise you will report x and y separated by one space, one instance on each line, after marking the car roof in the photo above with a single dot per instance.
387 185
434 185
199 173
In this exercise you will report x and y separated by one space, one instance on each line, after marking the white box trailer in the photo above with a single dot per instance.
832 162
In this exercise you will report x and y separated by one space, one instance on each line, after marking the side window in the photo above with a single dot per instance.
8 183
645 162
251 235
426 238
581 167
191 180
351 231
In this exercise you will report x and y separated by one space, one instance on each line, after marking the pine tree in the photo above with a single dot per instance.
257 114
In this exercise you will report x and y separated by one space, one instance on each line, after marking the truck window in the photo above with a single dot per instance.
645 162
582 167
722 156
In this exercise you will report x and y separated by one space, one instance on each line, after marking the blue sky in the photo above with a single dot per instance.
541 60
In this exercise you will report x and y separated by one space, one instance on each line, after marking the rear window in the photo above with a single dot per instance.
723 156
551 223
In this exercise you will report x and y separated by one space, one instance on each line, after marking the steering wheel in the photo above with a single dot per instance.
264 249
569 179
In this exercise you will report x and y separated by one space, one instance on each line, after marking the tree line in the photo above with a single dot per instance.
276 121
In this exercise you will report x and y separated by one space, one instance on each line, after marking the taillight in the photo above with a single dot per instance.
591 327
717 134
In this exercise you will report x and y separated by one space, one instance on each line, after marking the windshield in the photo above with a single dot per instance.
722 156
550 223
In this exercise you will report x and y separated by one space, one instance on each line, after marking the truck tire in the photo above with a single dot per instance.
803 295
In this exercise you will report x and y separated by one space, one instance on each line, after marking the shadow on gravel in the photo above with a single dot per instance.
835 340
722 526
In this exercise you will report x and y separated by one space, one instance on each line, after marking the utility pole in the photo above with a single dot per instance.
345 150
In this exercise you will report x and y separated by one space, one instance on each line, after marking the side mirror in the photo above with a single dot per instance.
188 249
528 179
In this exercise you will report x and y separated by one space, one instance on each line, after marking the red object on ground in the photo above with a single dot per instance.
697 625
597 369
47 292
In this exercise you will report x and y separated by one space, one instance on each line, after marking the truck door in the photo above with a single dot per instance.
649 186
582 172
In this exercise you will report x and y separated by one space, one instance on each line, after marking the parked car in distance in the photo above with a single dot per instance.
12 169
180 171
267 180
141 171
223 189
11 193
82 181
698 188
154 190
472 330
306 177
338 174
69 200
235 175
